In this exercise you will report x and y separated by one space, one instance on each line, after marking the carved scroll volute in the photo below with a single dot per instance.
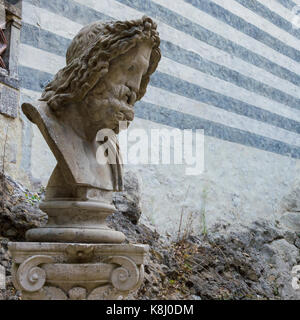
126 277
29 276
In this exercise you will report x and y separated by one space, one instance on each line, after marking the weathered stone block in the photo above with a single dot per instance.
9 101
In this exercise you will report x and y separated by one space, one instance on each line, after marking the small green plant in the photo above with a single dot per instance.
179 237
203 212
276 290
32 199
188 266
189 225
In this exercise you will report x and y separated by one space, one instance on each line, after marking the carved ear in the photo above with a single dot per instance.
29 110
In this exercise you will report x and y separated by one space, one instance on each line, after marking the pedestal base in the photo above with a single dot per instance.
76 222
75 235
71 271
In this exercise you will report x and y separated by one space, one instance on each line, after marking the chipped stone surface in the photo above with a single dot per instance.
9 101
18 209
128 201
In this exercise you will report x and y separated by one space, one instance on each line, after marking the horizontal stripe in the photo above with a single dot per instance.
251 24
265 9
192 60
189 90
182 121
198 17
201 32
172 118
275 7
176 102
196 49
222 87
44 40
197 14
288 3
50 42
45 19
119 11
51 63
71 10
42 60
34 80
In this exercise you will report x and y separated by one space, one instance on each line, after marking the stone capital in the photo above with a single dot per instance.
65 271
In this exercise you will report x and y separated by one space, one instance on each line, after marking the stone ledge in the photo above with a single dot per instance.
10 81
21 250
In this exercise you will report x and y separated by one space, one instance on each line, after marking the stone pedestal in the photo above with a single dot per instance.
70 271
76 255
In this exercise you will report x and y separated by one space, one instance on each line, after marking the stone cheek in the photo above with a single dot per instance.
9 101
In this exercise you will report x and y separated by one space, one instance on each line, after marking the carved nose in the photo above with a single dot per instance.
134 84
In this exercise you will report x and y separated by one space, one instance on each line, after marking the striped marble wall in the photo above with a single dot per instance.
228 67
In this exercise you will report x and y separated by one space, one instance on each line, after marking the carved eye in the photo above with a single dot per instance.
131 68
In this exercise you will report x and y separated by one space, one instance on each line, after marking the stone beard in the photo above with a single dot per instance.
108 70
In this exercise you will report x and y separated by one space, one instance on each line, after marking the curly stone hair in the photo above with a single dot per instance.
89 54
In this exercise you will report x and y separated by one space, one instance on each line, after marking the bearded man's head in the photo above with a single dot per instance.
108 69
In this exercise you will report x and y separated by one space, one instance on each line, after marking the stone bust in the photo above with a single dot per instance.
108 67
76 255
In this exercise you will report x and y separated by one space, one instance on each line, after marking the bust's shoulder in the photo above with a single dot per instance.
36 110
